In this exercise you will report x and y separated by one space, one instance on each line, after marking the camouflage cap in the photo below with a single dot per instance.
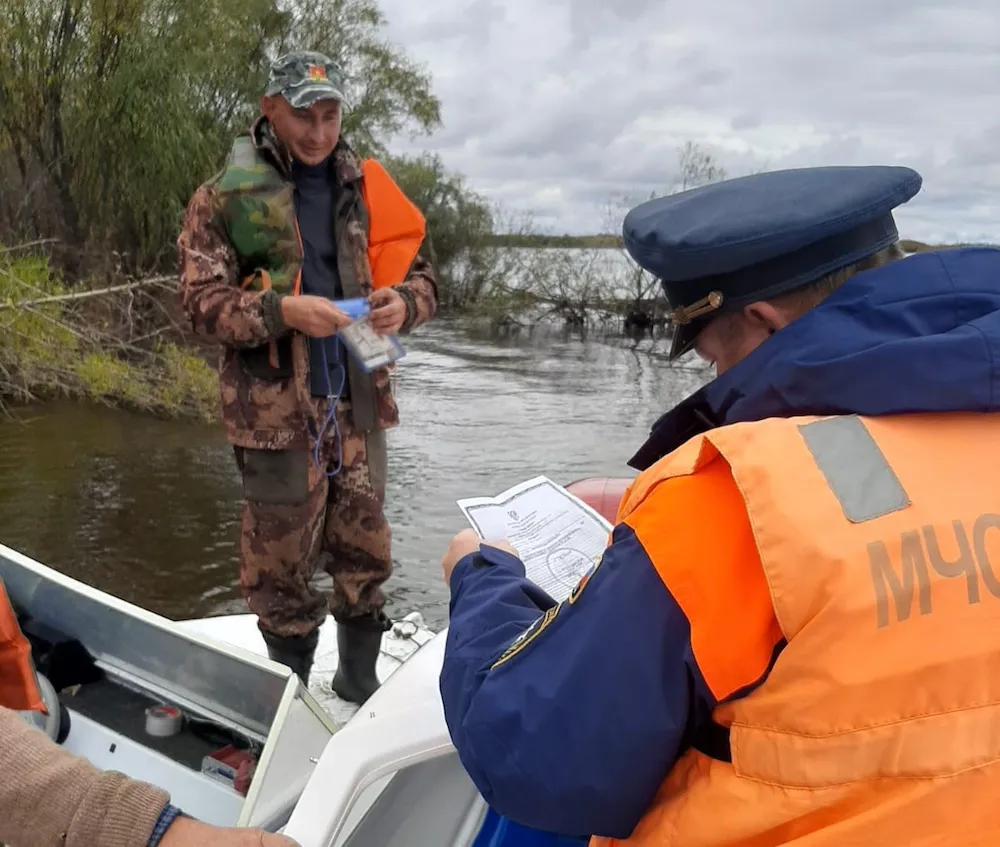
304 77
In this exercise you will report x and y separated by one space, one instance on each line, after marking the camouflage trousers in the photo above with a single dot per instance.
297 521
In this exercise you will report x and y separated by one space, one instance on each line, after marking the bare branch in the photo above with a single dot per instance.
29 245
84 295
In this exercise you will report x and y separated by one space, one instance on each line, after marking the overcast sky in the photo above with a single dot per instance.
556 107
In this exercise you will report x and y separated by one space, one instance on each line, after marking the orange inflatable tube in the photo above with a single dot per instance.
602 494
397 227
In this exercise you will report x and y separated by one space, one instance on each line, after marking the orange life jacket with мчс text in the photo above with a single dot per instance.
18 684
879 721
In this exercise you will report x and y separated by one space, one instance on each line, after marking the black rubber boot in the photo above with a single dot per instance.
293 651
358 642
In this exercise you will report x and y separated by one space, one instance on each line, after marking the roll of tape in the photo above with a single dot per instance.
163 721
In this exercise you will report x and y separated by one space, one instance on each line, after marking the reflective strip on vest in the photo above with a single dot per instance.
855 469
880 720
18 684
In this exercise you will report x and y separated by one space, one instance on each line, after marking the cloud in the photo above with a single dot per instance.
557 107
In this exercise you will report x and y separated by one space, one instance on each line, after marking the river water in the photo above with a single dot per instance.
148 510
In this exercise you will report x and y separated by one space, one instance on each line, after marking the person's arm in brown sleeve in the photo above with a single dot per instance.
51 798
210 293
420 293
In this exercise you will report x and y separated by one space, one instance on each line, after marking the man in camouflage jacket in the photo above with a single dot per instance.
266 245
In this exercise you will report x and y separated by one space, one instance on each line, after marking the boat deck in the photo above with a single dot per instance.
407 635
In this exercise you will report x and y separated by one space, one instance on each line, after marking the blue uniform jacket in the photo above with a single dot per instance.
576 732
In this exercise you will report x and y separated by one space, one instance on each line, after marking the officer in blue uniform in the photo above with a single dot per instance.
569 716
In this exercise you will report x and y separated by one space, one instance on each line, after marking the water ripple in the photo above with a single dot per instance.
149 510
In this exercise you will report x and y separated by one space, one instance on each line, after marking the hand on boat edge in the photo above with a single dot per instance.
186 832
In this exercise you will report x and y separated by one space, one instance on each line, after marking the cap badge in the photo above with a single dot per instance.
685 314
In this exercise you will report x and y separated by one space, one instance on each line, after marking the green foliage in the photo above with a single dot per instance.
112 111
457 218
106 377
171 382
36 347
388 90
61 349
476 271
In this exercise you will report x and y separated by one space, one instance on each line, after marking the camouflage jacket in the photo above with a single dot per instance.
267 404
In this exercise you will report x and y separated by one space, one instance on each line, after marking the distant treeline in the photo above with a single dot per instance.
517 239
911 246
608 240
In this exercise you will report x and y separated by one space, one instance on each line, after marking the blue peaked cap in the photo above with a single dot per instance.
721 246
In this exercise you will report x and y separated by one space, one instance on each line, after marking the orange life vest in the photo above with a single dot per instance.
18 684
879 723
396 226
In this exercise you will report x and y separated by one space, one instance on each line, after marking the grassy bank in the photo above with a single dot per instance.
113 344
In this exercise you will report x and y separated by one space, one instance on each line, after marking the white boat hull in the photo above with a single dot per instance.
322 770
406 636
391 776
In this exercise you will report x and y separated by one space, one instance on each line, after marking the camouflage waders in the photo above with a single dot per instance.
296 521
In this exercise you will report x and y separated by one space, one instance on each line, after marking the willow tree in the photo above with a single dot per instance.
112 111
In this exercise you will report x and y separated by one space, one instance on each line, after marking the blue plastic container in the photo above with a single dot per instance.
369 354
354 308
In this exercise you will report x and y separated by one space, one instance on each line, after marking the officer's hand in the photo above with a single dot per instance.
312 315
468 541
185 832
388 311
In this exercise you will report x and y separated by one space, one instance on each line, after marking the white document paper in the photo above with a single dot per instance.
558 536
